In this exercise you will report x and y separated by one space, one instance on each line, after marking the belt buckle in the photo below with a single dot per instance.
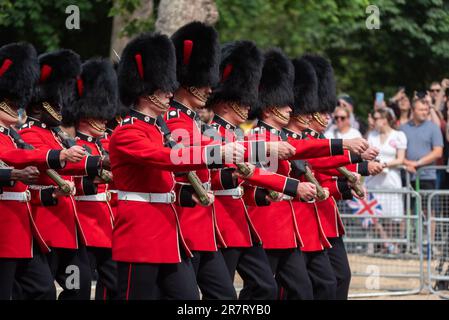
240 194
172 197
108 196
27 195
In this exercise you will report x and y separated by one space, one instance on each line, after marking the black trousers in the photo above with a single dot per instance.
290 270
321 275
102 264
26 279
212 276
71 269
148 281
339 261
254 268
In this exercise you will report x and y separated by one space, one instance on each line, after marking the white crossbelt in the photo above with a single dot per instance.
168 197
236 192
16 196
102 197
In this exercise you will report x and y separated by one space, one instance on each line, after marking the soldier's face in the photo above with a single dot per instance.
204 93
320 127
7 120
242 115
92 127
164 99
282 116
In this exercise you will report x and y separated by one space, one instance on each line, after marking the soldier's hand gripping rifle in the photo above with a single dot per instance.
355 185
243 168
69 142
196 183
52 174
302 167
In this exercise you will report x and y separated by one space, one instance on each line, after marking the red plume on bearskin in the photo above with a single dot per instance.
197 54
155 69
239 82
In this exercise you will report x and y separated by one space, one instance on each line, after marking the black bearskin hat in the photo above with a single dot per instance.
97 93
58 73
197 55
327 95
276 83
19 73
305 87
240 71
148 63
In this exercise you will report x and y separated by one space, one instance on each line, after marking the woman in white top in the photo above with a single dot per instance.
392 145
342 128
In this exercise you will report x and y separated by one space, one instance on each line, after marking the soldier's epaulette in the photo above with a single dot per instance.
127 121
172 114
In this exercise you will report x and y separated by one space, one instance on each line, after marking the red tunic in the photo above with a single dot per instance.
327 209
277 223
96 217
17 226
198 223
58 222
147 232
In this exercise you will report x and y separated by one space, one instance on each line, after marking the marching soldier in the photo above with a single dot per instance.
147 242
22 247
283 246
318 265
97 103
198 57
55 214
328 211
230 101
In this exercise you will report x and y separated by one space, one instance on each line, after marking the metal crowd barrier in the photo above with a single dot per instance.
384 249
436 240
405 249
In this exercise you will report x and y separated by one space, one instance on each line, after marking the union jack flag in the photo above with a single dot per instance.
369 208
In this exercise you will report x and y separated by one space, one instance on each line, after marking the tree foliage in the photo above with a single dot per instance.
411 48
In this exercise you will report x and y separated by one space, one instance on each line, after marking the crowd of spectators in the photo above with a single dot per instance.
410 131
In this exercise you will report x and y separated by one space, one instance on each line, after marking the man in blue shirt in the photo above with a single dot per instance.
424 146
424 143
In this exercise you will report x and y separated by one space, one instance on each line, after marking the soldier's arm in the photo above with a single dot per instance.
306 149
134 144
324 163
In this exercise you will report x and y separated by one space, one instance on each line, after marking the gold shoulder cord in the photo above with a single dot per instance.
8 110
57 116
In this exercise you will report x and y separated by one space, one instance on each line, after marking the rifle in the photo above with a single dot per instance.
69 142
191 175
242 167
52 174
356 186
302 167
